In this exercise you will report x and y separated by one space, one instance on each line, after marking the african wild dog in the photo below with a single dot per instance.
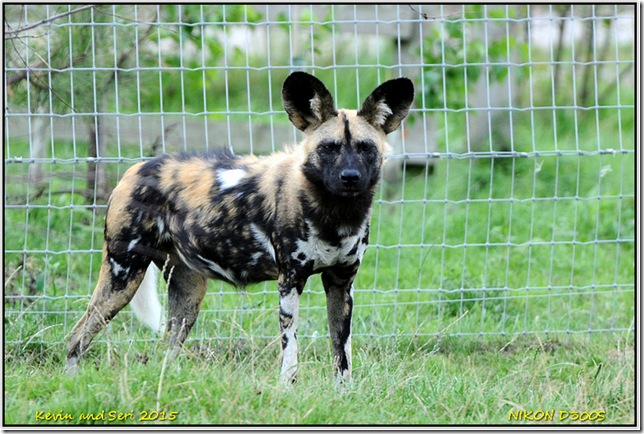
249 219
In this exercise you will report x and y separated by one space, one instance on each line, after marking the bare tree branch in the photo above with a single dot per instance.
39 82
13 33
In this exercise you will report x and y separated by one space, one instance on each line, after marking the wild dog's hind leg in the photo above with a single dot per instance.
338 286
119 278
186 290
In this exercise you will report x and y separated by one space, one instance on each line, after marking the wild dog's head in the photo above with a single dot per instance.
344 148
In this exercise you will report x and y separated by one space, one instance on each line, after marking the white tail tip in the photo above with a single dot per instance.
146 304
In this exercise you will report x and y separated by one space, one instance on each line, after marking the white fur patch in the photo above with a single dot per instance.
160 226
343 231
381 113
145 304
255 258
345 375
117 269
263 240
290 305
133 243
324 254
218 268
229 178
316 107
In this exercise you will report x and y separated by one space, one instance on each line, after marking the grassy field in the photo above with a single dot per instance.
449 381
482 300
468 335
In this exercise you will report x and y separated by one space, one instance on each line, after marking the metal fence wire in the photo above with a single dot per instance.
507 205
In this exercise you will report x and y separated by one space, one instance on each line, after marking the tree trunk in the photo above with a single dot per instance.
563 12
39 142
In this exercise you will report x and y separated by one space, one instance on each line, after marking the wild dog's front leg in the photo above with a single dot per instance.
289 312
338 286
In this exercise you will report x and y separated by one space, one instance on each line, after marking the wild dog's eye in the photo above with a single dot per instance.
366 146
328 147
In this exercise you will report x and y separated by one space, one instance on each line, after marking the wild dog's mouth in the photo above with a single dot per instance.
350 193
348 190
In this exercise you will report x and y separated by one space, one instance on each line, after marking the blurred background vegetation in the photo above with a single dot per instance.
500 275
512 191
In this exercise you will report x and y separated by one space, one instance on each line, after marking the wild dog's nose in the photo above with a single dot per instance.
350 177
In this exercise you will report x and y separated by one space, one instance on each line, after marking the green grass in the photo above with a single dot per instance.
468 334
480 295
449 381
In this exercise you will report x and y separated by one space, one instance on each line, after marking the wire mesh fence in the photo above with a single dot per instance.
507 205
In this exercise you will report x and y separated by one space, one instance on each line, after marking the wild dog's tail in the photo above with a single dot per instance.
145 304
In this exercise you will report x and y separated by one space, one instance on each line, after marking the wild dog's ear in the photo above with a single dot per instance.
388 105
307 101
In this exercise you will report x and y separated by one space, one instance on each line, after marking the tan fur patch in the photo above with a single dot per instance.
118 217
196 179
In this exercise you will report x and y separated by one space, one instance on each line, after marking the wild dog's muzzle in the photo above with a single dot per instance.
350 182
350 177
